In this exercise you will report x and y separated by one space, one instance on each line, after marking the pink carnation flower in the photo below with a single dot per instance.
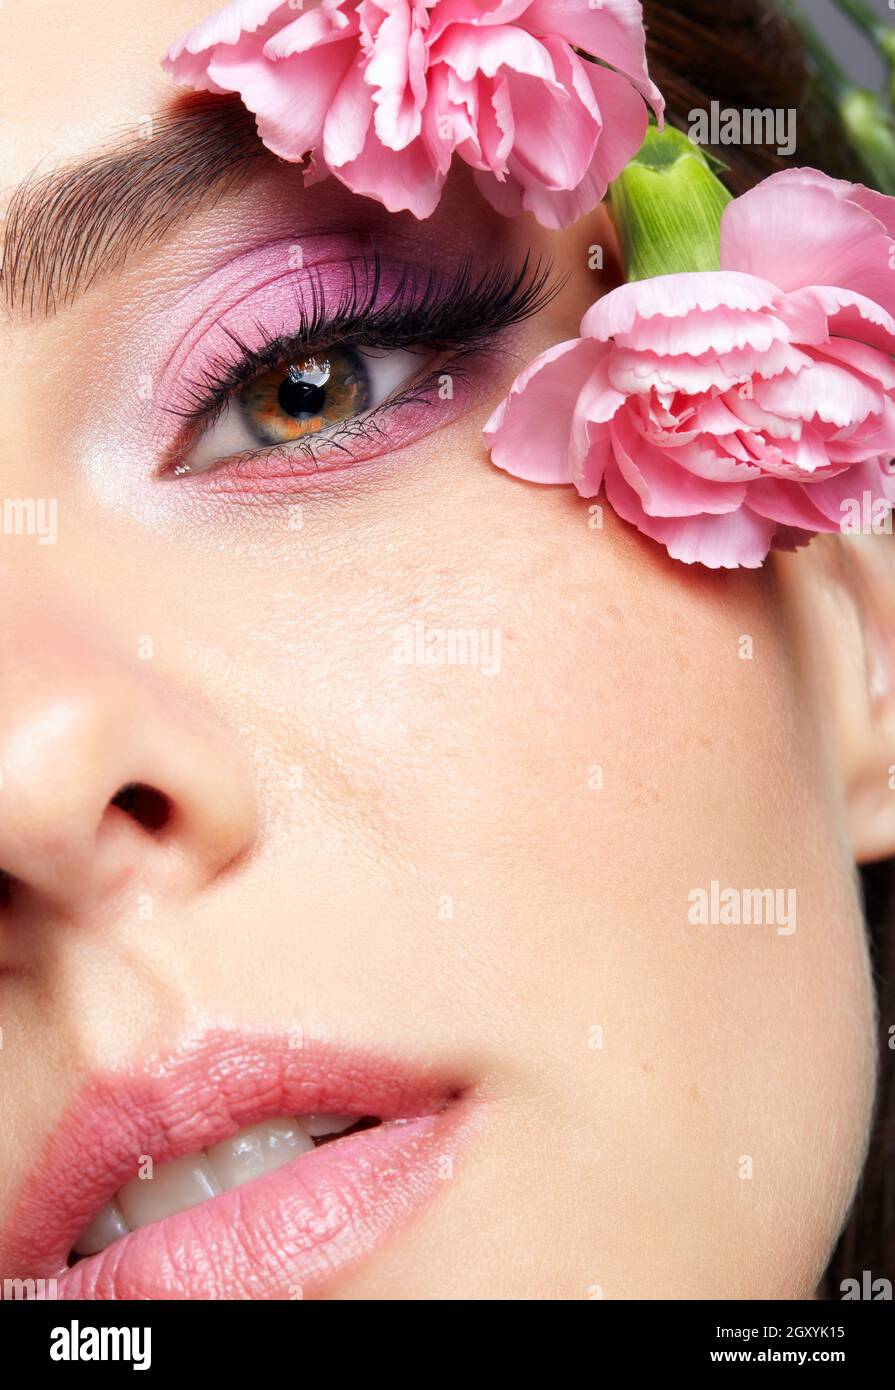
386 92
727 411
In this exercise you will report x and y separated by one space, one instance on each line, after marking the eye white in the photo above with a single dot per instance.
387 369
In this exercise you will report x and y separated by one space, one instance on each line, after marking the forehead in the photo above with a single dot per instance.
74 75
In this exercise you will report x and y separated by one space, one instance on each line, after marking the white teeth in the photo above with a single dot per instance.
108 1226
318 1125
257 1151
187 1181
174 1186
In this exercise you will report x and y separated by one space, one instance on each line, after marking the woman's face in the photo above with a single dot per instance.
438 762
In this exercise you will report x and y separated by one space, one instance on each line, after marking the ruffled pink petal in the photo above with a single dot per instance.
842 453
326 23
634 372
848 315
675 296
715 417
496 125
589 473
716 330
823 390
712 458
589 438
227 26
808 454
483 13
553 208
453 120
397 73
879 205
797 234
405 180
759 419
291 98
623 119
541 94
859 357
878 433
789 504
726 541
556 133
641 373
850 486
470 50
191 70
665 488
529 433
801 457
612 31
347 122
239 30
598 401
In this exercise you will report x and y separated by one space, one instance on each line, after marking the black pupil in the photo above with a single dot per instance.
303 390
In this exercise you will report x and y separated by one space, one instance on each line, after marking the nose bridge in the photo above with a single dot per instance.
90 738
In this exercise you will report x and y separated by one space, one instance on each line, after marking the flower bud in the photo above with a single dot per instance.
667 206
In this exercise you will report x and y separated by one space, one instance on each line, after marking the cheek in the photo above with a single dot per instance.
566 738
503 747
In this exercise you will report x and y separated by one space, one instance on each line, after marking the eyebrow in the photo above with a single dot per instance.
65 229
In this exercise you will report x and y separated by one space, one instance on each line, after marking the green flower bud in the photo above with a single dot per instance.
666 205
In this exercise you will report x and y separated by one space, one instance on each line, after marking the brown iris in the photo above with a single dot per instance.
305 395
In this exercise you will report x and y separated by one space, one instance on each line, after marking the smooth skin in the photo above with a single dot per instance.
486 871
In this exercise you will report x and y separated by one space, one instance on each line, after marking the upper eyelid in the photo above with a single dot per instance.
246 277
456 308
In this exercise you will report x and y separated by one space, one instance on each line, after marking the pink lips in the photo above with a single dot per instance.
285 1235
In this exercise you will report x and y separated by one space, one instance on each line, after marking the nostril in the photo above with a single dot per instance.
6 882
149 808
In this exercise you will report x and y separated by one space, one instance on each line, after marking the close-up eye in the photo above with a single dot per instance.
306 399
374 355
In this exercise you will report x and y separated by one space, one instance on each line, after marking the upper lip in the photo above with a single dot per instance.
200 1094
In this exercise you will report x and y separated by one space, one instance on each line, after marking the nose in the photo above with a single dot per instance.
111 776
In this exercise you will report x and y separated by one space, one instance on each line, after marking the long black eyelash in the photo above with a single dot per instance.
458 310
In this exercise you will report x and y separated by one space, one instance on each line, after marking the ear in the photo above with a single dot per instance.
858 605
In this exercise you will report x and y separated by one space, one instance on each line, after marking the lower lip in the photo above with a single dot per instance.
288 1235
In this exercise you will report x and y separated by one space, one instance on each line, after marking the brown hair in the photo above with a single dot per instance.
746 53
